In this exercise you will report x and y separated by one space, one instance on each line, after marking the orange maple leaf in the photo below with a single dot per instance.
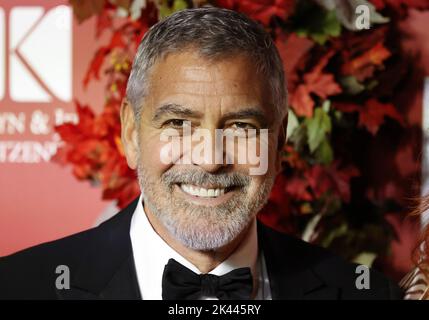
372 113
364 65
317 82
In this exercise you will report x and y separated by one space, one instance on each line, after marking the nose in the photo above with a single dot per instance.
208 150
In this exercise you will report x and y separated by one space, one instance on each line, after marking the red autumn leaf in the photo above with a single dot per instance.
347 107
318 180
378 4
86 117
90 144
118 180
84 9
293 159
117 40
341 178
371 115
127 193
124 193
107 124
400 4
261 10
293 50
68 132
322 84
317 82
374 112
406 161
364 65
277 211
83 171
331 179
95 65
73 133
104 22
302 102
298 189
94 68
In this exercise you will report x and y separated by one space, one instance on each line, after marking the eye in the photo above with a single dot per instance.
175 123
243 125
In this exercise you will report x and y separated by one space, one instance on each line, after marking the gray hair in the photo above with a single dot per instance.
217 34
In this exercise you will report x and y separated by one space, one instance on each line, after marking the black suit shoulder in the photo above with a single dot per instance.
32 272
317 266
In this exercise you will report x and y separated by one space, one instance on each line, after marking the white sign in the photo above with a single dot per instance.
39 54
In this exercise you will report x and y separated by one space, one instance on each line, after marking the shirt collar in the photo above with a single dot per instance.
151 254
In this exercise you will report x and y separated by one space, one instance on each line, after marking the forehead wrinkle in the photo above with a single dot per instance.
197 74
204 88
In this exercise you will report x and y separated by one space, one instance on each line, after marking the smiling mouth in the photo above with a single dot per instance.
201 192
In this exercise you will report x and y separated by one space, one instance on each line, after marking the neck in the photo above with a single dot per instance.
205 261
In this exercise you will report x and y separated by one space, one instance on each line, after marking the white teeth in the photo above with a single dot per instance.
192 190
202 192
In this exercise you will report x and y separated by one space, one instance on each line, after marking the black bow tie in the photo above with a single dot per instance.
180 283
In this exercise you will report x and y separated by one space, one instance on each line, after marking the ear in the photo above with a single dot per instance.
282 139
129 134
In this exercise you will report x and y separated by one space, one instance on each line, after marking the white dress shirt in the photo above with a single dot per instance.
151 254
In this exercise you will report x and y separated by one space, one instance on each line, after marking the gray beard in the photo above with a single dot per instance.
200 227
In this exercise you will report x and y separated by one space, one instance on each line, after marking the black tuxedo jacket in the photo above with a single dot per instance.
101 266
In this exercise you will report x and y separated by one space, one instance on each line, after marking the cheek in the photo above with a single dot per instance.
150 150
255 187
262 153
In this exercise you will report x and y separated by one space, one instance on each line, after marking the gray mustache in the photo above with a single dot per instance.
223 180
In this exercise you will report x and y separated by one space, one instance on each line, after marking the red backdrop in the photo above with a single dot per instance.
42 201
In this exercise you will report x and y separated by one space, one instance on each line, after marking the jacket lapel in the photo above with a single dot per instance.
292 268
107 269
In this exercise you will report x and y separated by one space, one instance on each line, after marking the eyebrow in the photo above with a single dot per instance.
176 110
181 111
248 113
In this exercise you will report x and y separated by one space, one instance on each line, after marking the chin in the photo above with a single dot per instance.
206 236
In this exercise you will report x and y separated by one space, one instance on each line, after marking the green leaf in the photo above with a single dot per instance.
317 128
299 137
324 153
319 25
165 10
365 258
326 106
351 85
372 84
338 115
292 123
334 233
310 228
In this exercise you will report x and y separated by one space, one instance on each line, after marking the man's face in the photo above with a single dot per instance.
205 205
